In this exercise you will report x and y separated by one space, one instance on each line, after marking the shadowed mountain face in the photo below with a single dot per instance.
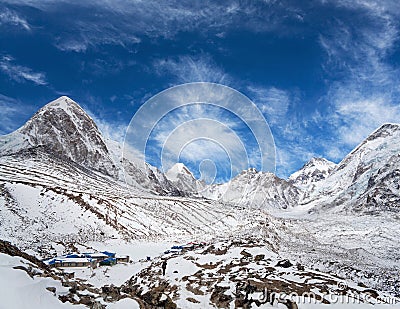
366 180
61 182
65 129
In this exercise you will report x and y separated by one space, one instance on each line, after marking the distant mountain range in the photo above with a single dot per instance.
60 179
62 182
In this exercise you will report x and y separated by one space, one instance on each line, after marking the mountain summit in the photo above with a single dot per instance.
312 172
184 180
367 179
177 171
65 129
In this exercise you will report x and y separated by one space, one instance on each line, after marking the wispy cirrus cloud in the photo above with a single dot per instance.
10 17
114 130
201 132
21 73
8 110
125 22
186 69
366 91
111 127
12 112
356 119
294 145
273 102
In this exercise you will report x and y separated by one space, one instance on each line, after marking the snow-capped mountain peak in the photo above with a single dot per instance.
383 131
63 129
177 171
366 179
312 172
183 179
66 130
63 102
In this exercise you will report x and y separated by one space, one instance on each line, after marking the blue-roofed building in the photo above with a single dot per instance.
73 255
109 254
88 259
109 261
71 262
98 256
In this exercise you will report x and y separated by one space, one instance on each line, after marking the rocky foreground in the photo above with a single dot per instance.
239 274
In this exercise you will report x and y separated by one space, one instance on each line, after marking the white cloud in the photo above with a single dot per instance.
12 114
12 18
111 128
8 110
123 22
21 73
199 131
355 120
292 157
192 69
273 102
72 45
359 44
294 144
202 139
366 92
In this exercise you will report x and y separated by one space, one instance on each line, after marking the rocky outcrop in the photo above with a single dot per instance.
65 129
314 171
366 180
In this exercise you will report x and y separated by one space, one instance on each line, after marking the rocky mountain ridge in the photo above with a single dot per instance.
341 219
367 176
365 180
66 130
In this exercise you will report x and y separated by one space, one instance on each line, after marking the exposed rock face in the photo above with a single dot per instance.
256 189
54 175
367 176
65 129
184 180
366 180
149 177
7 248
383 189
250 188
234 278
311 173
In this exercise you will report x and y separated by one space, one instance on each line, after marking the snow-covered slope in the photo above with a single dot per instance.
184 180
249 189
20 290
178 171
256 189
47 199
62 183
246 274
366 180
137 173
26 282
66 130
311 173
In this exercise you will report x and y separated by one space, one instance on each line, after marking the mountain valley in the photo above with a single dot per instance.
65 188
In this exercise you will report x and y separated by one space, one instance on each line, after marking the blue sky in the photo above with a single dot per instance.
324 73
